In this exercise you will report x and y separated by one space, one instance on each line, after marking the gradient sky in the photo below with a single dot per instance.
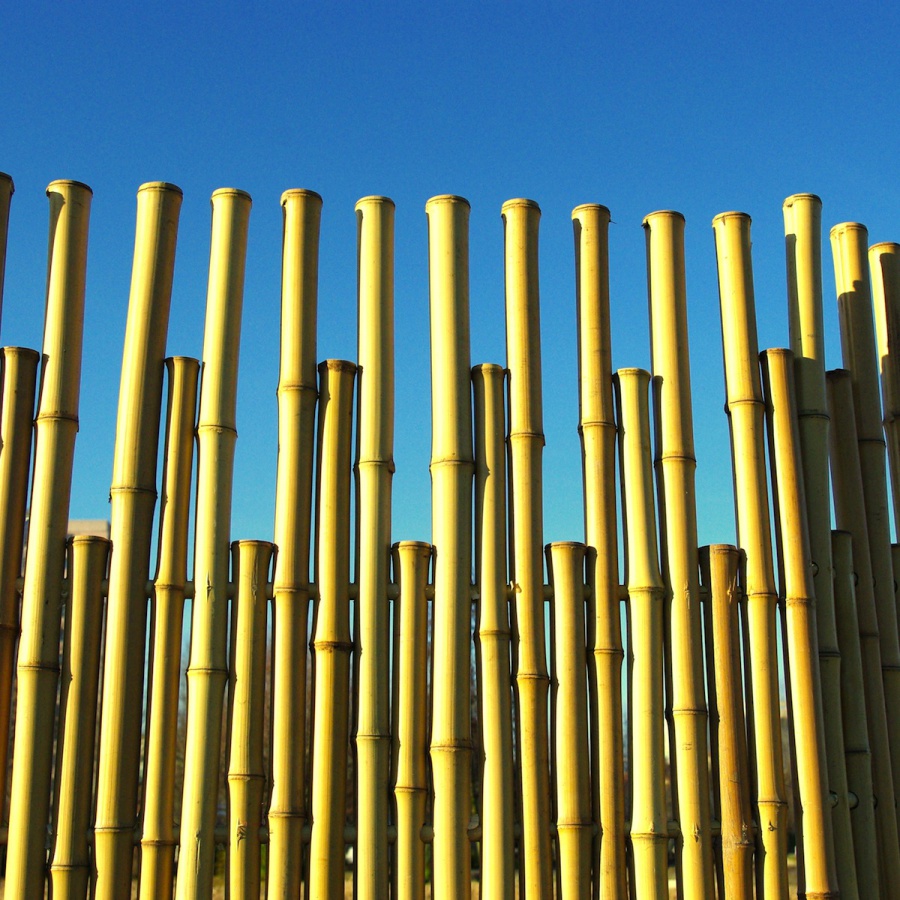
639 106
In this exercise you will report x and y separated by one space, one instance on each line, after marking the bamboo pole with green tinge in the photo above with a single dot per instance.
55 429
297 394
7 189
216 435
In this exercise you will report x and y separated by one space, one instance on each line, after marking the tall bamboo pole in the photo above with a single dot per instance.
7 189
297 393
133 499
55 429
157 872
646 592
16 414
452 467
246 702
374 468
745 415
856 733
216 436
675 465
526 441
598 443
494 634
802 642
850 516
70 867
331 632
410 717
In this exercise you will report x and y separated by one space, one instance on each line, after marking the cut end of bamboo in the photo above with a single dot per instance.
373 200
300 193
662 214
446 198
519 203
163 187
67 184
846 228
597 208
231 192
798 198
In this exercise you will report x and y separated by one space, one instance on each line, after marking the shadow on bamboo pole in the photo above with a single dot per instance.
452 467
133 499
216 435
494 635
55 429
7 189
157 871
675 466
70 868
331 632
604 640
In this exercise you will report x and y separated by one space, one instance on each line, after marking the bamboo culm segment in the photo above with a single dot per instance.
55 429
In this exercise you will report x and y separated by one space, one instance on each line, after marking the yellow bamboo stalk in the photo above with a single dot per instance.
856 734
55 429
216 436
802 641
526 441
246 702
374 468
452 466
745 414
494 634
646 592
7 189
133 499
297 393
850 516
157 871
410 717
675 465
331 632
70 867
598 442
16 414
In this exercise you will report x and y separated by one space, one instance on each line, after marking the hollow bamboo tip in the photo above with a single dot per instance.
300 194
22 353
183 361
885 247
801 198
662 214
6 183
337 365
632 374
519 203
449 199
67 185
253 544
234 193
373 200
843 228
488 369
591 209
162 187
87 539
723 217
421 546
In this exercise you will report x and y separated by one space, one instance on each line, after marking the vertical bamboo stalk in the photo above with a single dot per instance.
745 415
526 441
856 733
55 429
158 838
598 442
16 414
850 515
374 467
331 632
70 868
410 717
494 633
133 499
246 768
646 591
297 394
802 642
216 436
7 189
675 464
452 466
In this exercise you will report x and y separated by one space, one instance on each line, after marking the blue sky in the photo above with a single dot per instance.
640 106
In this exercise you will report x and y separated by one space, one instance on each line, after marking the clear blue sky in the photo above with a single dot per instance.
695 107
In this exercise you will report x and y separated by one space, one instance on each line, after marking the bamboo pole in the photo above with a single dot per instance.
598 442
850 516
157 871
526 441
216 435
494 635
675 465
374 468
331 632
410 717
70 867
646 592
246 702
297 394
19 374
452 466
856 733
133 499
55 429
802 642
7 189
